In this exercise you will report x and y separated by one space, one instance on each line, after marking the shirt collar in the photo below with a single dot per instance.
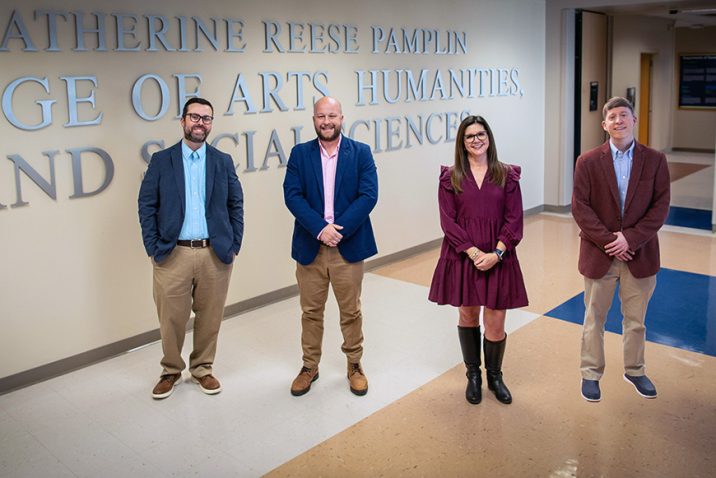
186 151
628 153
335 153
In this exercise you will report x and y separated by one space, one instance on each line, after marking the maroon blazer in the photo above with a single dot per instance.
595 207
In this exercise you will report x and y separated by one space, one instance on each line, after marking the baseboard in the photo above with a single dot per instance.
694 150
75 362
558 209
400 255
99 354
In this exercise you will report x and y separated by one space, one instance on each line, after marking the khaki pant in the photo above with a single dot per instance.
346 279
598 294
190 280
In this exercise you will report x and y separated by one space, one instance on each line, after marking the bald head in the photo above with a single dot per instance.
327 102
328 119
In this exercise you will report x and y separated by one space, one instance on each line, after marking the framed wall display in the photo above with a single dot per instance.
593 95
631 94
697 81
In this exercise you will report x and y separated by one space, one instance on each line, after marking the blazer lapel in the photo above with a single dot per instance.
178 167
211 166
607 163
345 156
637 164
317 166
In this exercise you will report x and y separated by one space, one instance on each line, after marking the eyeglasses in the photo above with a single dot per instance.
482 136
206 119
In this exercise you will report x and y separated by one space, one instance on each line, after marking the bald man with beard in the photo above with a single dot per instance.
331 186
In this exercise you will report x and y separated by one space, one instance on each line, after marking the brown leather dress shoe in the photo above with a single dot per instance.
166 385
356 377
208 384
302 383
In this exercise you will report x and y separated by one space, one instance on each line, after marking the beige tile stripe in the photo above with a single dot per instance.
549 430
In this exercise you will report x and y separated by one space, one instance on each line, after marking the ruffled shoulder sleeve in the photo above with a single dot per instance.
512 182
513 172
511 231
445 177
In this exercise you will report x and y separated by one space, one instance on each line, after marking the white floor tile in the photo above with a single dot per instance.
43 465
38 405
695 190
20 451
101 421
87 449
692 158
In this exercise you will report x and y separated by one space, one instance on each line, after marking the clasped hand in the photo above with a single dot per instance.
619 248
330 235
485 261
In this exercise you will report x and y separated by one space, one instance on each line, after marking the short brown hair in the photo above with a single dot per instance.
198 100
616 102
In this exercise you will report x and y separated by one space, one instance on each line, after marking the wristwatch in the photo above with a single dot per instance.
499 253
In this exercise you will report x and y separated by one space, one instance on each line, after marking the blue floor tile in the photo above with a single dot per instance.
682 312
688 217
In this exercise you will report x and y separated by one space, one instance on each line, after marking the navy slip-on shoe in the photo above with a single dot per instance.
590 390
642 384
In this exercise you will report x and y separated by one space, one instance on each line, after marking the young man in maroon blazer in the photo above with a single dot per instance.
620 201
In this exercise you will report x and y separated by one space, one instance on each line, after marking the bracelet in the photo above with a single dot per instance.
499 253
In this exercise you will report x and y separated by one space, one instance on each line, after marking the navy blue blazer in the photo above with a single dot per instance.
162 201
355 196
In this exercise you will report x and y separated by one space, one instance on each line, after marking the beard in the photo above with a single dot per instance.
196 134
328 135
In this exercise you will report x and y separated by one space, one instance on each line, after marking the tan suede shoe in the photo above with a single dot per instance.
356 377
302 383
166 385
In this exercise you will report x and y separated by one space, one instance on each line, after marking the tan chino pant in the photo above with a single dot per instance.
346 279
190 280
634 295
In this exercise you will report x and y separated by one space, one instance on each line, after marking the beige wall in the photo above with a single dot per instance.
694 128
633 36
75 275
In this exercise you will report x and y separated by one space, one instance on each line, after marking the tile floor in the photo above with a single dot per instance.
101 420
692 186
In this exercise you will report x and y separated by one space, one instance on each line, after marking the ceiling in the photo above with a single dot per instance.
685 14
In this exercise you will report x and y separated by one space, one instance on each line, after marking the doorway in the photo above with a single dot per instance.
644 113
591 79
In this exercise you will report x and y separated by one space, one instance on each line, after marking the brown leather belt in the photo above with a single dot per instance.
194 243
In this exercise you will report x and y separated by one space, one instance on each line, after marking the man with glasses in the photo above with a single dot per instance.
192 218
331 186
620 201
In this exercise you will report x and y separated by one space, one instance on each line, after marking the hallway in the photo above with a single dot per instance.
414 421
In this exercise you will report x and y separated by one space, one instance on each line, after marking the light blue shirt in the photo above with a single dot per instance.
194 226
622 169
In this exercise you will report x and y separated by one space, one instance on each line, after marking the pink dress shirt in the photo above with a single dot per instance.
328 163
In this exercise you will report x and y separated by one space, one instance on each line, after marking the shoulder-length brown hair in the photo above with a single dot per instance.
496 171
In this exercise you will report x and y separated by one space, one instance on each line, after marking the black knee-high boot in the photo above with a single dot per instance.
470 345
494 351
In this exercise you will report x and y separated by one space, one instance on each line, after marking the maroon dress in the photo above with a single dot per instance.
479 217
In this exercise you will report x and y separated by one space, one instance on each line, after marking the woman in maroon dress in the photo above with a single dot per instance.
481 215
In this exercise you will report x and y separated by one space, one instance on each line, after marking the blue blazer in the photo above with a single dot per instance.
356 193
162 201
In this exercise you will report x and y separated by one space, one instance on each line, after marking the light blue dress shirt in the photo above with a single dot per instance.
622 169
194 226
